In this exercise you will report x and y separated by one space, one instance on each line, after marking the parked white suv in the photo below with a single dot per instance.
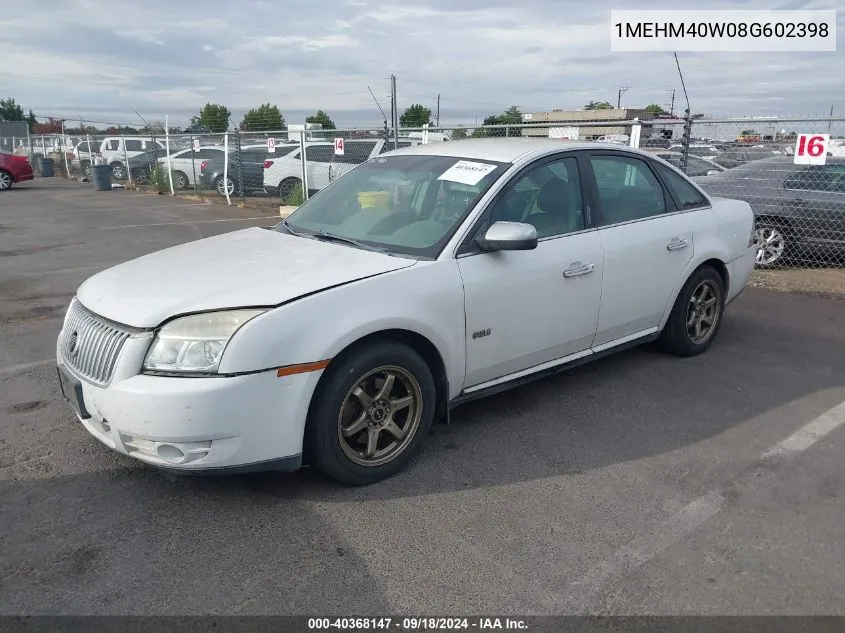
117 149
284 174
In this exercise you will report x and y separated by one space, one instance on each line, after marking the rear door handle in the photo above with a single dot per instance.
577 268
676 244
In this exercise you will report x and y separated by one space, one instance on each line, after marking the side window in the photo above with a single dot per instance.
811 178
355 153
687 196
548 197
835 178
319 153
627 189
134 145
112 145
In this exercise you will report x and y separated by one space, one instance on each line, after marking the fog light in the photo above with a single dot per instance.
170 453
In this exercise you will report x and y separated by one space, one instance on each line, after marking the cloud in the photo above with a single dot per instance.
480 56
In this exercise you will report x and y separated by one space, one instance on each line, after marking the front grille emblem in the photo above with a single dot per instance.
72 343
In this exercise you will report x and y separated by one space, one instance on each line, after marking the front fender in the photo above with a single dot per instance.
427 299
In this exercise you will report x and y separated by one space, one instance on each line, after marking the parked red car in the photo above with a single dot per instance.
13 168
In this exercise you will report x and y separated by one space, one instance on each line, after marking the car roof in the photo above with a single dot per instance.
504 150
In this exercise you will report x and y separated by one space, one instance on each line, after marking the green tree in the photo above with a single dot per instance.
511 116
416 115
459 133
655 109
598 105
215 117
323 119
10 110
264 118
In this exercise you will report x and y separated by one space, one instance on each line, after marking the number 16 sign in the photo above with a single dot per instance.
811 149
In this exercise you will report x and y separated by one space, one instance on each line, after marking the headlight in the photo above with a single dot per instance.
195 343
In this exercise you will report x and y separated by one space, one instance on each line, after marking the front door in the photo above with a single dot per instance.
525 309
646 243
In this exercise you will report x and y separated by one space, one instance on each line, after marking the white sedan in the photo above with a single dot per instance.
419 280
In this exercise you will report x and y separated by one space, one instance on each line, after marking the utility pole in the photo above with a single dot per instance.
619 97
830 120
672 107
437 118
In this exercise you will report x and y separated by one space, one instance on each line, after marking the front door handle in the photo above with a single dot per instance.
677 244
576 269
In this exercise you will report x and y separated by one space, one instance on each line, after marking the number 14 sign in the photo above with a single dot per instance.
811 149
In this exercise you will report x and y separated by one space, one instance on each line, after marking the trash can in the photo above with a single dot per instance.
45 166
102 177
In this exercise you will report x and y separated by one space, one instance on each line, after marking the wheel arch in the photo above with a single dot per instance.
713 261
416 341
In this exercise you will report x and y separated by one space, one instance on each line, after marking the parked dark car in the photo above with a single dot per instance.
799 209
140 165
740 156
13 169
695 166
252 170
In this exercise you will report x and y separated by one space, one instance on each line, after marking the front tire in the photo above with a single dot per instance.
5 180
118 171
696 315
371 413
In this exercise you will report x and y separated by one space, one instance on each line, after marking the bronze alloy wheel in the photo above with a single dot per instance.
380 416
703 311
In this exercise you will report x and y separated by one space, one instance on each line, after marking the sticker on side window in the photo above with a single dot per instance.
467 172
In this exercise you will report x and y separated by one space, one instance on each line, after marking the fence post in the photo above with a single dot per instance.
304 165
636 130
685 141
226 168
240 167
194 167
167 151
126 160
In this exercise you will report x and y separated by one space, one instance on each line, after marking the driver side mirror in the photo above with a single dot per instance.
509 236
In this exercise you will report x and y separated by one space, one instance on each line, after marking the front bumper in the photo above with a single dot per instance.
238 423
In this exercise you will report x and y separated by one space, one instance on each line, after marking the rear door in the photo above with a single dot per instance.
646 241
815 196
318 160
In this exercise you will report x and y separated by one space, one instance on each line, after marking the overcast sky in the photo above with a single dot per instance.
103 60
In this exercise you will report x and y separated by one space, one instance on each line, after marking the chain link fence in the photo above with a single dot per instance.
800 208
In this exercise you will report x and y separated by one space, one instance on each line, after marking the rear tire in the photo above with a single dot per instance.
180 180
118 171
771 237
221 190
287 187
364 426
697 314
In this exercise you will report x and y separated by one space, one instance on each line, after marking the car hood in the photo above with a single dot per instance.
250 267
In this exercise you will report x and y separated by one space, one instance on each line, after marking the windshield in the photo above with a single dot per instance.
409 205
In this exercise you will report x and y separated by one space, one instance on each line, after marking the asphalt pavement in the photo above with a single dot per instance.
642 483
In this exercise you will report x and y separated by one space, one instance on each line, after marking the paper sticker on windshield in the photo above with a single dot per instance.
467 172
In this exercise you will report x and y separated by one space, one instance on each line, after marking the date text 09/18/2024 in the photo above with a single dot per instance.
415 624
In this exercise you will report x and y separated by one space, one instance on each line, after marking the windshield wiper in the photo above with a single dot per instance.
290 230
331 237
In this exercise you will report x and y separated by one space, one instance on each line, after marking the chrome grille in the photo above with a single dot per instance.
90 345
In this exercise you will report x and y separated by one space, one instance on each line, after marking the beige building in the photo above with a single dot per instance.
570 119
